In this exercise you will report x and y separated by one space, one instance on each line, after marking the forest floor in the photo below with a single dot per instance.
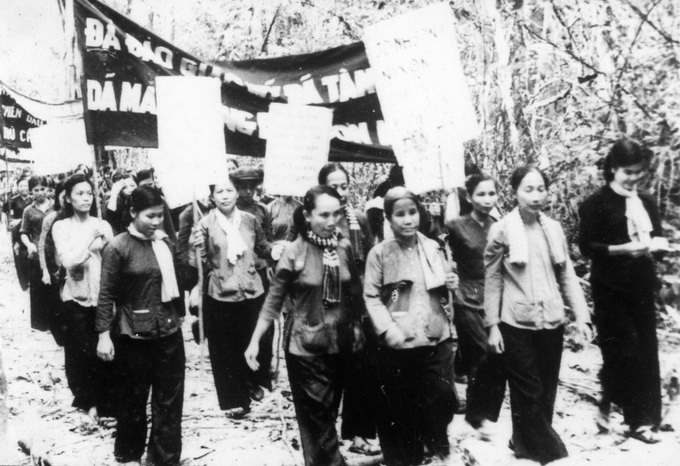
41 415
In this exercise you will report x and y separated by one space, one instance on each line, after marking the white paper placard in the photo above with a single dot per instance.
416 54
191 152
298 142
60 147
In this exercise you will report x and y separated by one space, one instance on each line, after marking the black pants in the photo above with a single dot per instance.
532 363
229 328
630 376
417 402
359 398
485 371
39 295
316 383
156 365
91 380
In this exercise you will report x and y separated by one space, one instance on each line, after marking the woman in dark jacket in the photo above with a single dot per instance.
138 276
323 328
620 230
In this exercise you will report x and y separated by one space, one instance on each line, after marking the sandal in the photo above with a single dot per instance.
237 413
364 448
644 434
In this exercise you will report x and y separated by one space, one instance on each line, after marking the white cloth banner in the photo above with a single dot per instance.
416 54
191 153
298 142
59 147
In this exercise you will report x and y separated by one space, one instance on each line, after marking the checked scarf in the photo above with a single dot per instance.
331 266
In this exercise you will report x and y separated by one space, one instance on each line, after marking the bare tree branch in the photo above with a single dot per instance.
269 30
568 52
646 19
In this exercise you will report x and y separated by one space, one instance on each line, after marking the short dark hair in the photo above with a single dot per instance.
36 181
69 184
475 179
309 204
331 168
145 197
623 153
522 171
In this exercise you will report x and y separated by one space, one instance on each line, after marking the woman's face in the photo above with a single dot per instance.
224 196
405 219
338 181
629 177
39 193
484 197
81 197
129 185
148 220
531 193
22 188
323 219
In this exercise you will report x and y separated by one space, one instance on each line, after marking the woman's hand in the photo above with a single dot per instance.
196 239
46 277
105 349
584 335
251 355
633 249
32 250
496 340
395 337
451 281
277 250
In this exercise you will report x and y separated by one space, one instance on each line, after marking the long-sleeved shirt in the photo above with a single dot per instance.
528 296
281 218
46 253
313 328
81 257
396 293
603 224
31 222
467 239
226 281
132 280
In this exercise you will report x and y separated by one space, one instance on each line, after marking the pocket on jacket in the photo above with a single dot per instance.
525 313
315 338
142 321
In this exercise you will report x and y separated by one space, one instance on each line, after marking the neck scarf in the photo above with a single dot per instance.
639 224
169 288
354 233
519 244
235 244
331 266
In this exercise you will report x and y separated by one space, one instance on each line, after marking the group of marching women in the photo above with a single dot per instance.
367 322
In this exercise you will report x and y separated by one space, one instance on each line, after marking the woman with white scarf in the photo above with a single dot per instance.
142 333
228 241
620 229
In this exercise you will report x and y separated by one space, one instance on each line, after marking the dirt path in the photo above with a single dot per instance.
41 413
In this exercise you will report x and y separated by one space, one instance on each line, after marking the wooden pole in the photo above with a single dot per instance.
199 266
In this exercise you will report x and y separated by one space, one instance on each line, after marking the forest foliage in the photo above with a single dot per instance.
554 81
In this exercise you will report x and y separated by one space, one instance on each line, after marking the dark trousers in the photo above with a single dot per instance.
485 371
90 379
359 398
532 362
22 265
229 328
39 295
630 376
417 402
316 383
156 365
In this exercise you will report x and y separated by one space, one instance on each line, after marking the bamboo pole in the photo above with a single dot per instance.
199 267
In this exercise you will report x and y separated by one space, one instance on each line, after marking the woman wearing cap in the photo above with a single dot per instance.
405 289
228 242
323 327
527 273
